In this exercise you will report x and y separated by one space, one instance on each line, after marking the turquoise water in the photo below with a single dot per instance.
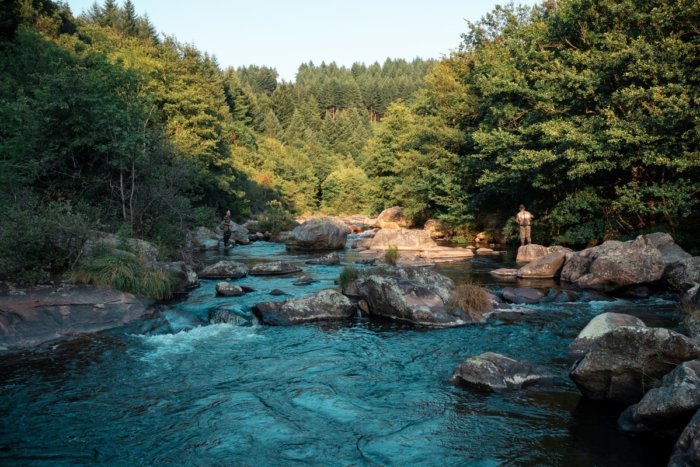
354 393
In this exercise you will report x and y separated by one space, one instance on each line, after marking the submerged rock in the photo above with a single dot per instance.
275 268
686 452
327 304
304 280
224 270
318 234
669 407
614 264
596 328
495 372
626 362
504 272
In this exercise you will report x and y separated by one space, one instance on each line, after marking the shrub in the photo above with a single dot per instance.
123 271
39 239
347 275
392 255
471 298
276 219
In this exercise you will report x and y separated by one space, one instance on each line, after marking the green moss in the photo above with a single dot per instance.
392 255
347 275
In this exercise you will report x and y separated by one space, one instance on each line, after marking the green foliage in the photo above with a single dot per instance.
344 191
348 275
37 239
275 218
391 256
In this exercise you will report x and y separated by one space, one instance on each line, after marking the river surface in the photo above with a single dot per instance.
362 392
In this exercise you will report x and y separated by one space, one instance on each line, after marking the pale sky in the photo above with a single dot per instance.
284 34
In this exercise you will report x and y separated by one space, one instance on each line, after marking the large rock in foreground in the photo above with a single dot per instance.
324 305
274 268
224 270
668 407
412 295
597 328
627 361
495 372
614 264
45 313
686 452
318 234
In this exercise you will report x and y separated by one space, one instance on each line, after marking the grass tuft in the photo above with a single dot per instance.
392 255
474 300
347 275
124 271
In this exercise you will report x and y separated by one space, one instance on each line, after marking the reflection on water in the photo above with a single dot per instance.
357 393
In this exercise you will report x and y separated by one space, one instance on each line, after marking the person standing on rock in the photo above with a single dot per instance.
226 225
524 219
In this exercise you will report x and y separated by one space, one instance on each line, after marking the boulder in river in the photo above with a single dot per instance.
531 252
417 243
327 304
684 274
614 264
48 313
393 218
230 316
186 279
224 270
596 328
205 239
686 452
495 372
226 289
318 234
416 296
274 268
670 251
626 362
522 295
669 407
547 266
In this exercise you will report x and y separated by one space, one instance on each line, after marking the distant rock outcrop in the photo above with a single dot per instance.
317 235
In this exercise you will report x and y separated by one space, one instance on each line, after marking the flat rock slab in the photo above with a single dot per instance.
46 314
276 268
504 272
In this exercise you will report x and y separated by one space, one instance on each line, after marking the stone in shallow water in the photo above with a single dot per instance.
226 289
495 372
224 270
327 304
596 328
504 272
229 316
522 295
275 268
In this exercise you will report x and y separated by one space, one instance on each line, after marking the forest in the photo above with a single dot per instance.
586 111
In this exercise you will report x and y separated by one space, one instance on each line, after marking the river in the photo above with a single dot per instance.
355 393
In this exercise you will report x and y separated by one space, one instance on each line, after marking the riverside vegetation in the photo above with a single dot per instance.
586 112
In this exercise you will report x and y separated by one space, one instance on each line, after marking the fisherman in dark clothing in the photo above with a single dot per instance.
226 224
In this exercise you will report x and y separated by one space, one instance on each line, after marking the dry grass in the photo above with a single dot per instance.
474 300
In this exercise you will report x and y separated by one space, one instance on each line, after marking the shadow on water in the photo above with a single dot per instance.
359 392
